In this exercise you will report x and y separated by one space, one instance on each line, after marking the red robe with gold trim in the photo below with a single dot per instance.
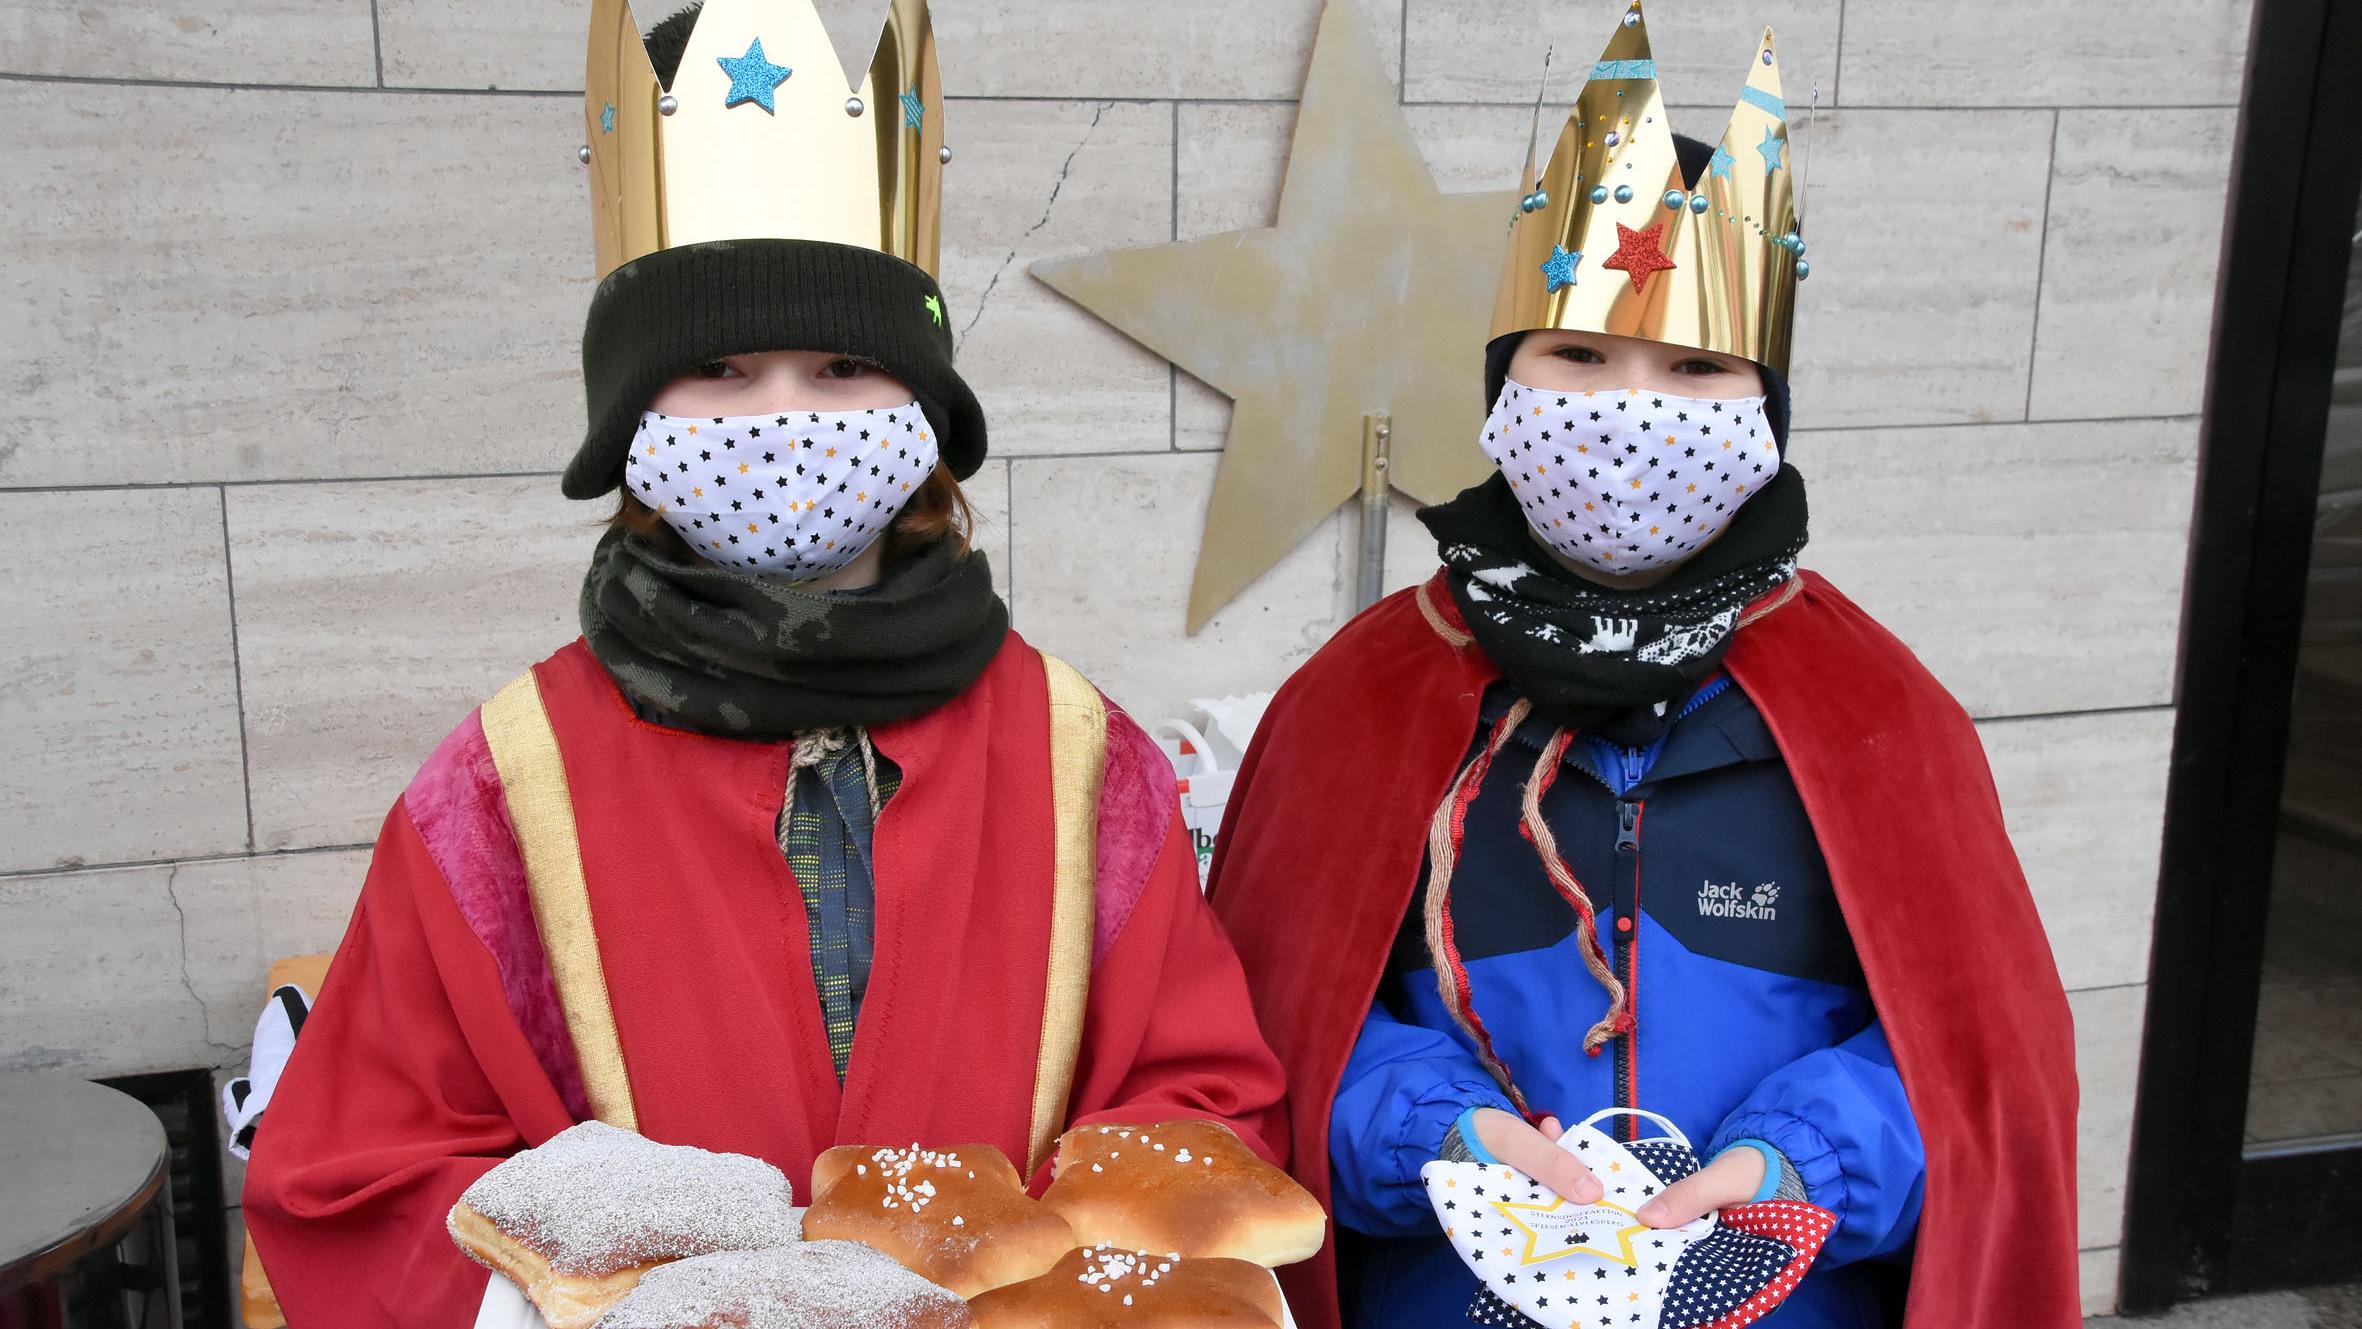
1320 857
437 1047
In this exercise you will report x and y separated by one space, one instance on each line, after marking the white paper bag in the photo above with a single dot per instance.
1204 785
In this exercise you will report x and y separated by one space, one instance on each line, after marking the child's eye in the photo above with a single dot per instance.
1700 367
1582 355
843 368
715 369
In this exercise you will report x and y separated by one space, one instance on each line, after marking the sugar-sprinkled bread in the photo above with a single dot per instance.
1186 1186
811 1285
959 1217
1101 1287
577 1221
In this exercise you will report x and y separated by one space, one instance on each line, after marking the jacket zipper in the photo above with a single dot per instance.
1633 764
1626 903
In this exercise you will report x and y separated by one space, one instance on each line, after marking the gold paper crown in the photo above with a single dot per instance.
760 136
1612 239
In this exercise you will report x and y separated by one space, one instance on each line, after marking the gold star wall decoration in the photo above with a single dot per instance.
1371 297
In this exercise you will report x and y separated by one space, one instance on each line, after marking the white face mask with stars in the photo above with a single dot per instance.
1625 480
800 494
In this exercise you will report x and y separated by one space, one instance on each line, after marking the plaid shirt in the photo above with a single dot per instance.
827 842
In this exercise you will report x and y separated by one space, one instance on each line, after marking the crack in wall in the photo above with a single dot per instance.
1057 187
231 1052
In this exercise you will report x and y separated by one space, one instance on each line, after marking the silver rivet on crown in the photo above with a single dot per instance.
668 104
1613 138
853 106
943 154
1767 57
1632 19
584 154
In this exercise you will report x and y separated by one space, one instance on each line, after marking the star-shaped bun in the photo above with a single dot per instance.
1190 1187
1101 1287
958 1217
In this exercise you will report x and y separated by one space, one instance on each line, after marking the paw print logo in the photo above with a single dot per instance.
1766 895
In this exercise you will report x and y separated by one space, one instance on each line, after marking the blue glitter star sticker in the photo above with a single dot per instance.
1770 148
1721 163
607 119
1560 270
914 111
753 78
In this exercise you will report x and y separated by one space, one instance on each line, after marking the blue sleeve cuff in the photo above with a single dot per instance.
1465 1128
1773 1163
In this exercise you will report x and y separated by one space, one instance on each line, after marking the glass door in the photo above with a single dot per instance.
2247 1128
2305 1079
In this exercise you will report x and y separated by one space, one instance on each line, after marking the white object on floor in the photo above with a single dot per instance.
1203 784
1230 722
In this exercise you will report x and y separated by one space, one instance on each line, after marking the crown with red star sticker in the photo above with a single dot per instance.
763 135
1710 263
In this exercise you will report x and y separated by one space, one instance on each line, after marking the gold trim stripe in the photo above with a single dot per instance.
1078 765
533 780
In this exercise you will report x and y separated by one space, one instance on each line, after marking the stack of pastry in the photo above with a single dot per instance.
1174 1226
578 1221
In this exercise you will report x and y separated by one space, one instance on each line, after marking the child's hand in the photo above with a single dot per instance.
1536 1154
1731 1179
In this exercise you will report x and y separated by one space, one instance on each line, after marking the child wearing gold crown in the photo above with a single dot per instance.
1645 818
799 845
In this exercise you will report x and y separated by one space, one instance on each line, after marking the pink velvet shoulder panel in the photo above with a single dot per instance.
461 813
1138 799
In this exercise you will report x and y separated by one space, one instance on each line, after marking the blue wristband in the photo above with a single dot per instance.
1773 1161
1466 1126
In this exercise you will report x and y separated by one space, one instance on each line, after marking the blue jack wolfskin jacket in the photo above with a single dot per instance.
1751 1017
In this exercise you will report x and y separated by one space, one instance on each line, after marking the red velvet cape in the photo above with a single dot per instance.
1320 856
431 1053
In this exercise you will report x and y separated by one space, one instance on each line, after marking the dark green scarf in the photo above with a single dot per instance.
744 656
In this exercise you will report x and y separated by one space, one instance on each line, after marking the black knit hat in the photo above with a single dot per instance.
662 315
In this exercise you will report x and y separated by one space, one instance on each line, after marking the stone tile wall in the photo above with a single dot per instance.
293 289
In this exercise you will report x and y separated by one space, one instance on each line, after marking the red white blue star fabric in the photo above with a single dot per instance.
800 494
1551 1263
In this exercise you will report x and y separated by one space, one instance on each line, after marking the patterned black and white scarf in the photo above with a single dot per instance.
1592 657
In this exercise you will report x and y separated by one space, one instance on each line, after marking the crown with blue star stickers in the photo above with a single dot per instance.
763 134
1710 263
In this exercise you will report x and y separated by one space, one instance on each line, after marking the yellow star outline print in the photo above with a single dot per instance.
1571 1226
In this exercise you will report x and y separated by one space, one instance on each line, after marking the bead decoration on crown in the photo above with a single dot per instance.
760 137
1611 237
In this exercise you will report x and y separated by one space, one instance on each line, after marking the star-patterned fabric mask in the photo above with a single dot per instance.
1550 1262
799 494
1627 480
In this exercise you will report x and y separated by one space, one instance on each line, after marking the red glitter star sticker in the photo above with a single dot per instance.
1640 253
